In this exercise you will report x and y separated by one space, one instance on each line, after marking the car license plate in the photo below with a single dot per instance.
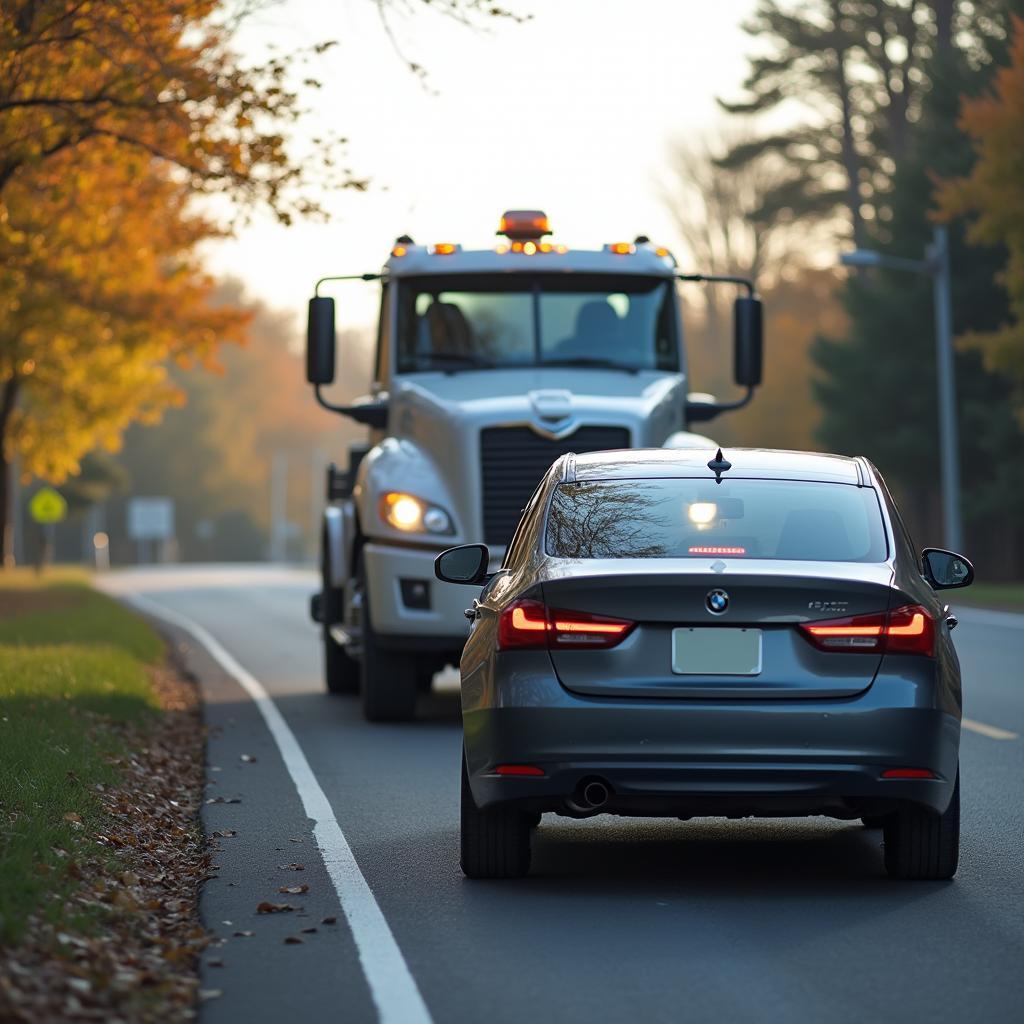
716 651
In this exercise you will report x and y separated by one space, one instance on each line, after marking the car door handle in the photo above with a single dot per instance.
952 621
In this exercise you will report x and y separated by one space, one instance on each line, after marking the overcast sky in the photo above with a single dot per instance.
573 112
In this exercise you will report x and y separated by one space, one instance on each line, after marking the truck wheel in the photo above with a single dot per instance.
921 844
495 843
341 671
389 678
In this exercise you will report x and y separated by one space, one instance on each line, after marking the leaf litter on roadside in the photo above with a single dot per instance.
138 874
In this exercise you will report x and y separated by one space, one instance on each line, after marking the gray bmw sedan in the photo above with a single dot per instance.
680 632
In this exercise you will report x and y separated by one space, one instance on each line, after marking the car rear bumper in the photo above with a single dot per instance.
738 759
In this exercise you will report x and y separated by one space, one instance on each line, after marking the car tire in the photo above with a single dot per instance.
495 842
920 844
388 678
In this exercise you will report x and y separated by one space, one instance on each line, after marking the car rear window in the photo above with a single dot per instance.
696 518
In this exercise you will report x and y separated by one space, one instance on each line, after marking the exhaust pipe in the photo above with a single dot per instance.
595 794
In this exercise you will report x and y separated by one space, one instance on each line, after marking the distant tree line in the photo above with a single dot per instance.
873 119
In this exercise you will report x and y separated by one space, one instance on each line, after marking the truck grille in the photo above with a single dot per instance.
512 462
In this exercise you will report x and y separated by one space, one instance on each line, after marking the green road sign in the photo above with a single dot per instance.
47 506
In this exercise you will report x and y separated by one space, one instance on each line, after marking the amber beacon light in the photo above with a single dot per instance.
524 225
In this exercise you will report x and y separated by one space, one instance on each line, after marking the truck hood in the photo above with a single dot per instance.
553 400
436 423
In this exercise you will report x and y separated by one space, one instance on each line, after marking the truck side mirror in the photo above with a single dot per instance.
320 341
749 342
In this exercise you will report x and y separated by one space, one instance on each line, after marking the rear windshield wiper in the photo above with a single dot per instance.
593 361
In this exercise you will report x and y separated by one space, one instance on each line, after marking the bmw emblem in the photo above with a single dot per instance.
717 601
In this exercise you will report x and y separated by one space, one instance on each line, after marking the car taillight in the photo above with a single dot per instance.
906 630
528 623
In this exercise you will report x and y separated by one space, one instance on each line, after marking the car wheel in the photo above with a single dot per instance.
874 821
388 678
495 843
921 844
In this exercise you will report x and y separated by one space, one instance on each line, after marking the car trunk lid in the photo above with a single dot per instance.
685 646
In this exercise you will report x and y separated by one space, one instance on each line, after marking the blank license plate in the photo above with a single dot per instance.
716 652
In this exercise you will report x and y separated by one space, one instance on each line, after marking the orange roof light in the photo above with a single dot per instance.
662 251
524 225
399 250
445 248
621 248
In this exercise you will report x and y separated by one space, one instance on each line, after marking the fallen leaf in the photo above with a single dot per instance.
129 878
292 867
74 819
294 890
248 758
244 935
225 833
209 993
292 940
215 963
328 920
309 931
266 907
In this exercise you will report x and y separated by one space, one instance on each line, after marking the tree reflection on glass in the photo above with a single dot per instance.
598 519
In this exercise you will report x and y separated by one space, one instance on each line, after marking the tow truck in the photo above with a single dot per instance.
490 364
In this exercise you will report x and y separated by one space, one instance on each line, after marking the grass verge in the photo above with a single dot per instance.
1005 596
72 667
101 853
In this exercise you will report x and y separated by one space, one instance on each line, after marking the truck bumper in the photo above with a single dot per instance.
407 601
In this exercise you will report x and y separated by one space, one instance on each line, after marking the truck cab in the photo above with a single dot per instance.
490 364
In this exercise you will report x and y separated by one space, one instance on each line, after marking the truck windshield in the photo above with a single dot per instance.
475 321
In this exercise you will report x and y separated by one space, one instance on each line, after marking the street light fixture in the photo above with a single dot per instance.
936 266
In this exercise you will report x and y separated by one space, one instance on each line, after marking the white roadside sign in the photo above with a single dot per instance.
151 518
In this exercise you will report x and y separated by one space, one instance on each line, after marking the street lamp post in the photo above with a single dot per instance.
936 266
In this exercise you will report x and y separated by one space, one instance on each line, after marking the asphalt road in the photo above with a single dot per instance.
620 919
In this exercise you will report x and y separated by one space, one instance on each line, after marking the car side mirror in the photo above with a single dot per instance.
320 343
466 564
749 342
945 570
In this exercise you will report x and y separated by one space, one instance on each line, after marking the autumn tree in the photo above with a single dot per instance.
113 117
858 71
994 194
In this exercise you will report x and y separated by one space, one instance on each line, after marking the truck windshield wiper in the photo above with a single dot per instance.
593 361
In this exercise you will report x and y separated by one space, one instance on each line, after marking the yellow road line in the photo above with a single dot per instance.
991 731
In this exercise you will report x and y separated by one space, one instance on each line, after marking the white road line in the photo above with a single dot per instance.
993 732
394 991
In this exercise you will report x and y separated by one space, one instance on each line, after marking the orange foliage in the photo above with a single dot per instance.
98 286
994 193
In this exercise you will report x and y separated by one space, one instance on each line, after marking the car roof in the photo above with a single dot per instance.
756 463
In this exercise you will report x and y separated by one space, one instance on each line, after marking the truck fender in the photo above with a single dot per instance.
684 439
399 464
339 526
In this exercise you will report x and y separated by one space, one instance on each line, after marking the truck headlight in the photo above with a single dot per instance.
410 514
